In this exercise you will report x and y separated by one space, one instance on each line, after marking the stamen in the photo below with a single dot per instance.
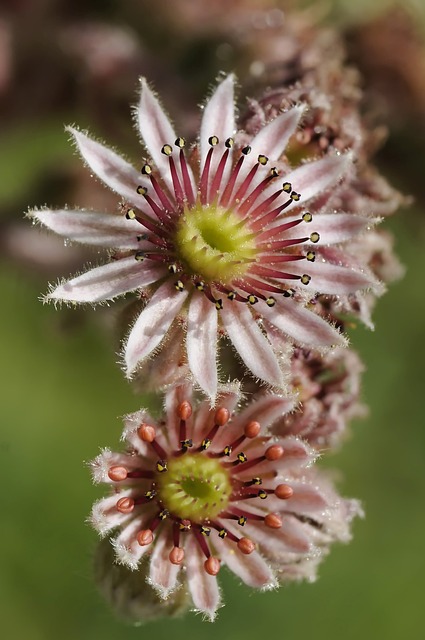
314 237
273 521
144 220
176 555
265 220
305 279
144 537
212 566
246 545
215 185
224 201
284 492
161 466
254 195
125 505
203 182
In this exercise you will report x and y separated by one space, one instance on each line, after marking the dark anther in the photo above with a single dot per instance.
205 531
172 268
305 278
229 143
161 466
295 196
262 159
314 237
307 217
167 150
311 256
213 141
146 169
246 150
179 285
142 191
219 304
180 142
287 187
222 533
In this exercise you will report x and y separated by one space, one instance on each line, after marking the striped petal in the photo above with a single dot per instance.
201 343
106 282
203 587
152 325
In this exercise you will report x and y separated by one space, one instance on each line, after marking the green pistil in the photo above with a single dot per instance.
214 244
195 487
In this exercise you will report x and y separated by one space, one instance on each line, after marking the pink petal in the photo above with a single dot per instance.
332 227
291 537
271 141
252 569
97 229
228 397
201 343
106 282
163 573
111 168
251 344
104 515
132 422
127 550
203 587
156 130
301 324
152 324
218 119
333 279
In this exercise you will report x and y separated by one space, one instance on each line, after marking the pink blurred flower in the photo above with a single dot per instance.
222 240
199 488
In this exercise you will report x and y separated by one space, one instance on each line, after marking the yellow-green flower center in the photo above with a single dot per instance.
194 487
214 243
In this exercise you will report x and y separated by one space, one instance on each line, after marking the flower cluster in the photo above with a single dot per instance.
225 243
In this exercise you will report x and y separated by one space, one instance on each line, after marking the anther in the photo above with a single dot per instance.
314 237
146 433
206 531
162 515
184 410
287 187
131 214
283 491
222 533
231 295
227 451
139 256
167 150
262 159
307 217
213 141
144 537
180 142
200 286
272 521
161 466
305 278
229 143
186 444
179 285
117 474
246 150
251 299
311 256
150 495
288 293
125 505
142 191
218 304
176 555
270 302
295 196
212 566
242 520
221 416
274 172
185 525
147 169
262 494
241 457
274 452
172 268
252 429
246 545
205 444
255 481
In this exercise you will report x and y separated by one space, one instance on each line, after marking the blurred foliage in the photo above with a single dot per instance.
61 390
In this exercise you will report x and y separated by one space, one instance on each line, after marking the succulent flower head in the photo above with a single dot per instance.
202 487
221 235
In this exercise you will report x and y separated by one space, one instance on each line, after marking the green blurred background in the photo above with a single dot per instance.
61 391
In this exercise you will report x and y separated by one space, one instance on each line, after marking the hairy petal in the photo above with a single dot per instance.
111 168
203 587
202 343
251 344
87 227
152 324
334 279
106 282
162 573
301 324
332 227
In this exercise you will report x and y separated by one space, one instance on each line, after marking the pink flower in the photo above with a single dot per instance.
219 234
200 488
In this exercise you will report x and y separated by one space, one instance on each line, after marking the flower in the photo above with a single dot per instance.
218 237
199 488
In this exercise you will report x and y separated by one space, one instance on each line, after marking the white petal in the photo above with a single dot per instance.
249 341
152 324
252 569
163 573
218 119
107 282
333 279
203 587
332 227
271 141
97 229
202 343
156 130
111 168
301 324
127 550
